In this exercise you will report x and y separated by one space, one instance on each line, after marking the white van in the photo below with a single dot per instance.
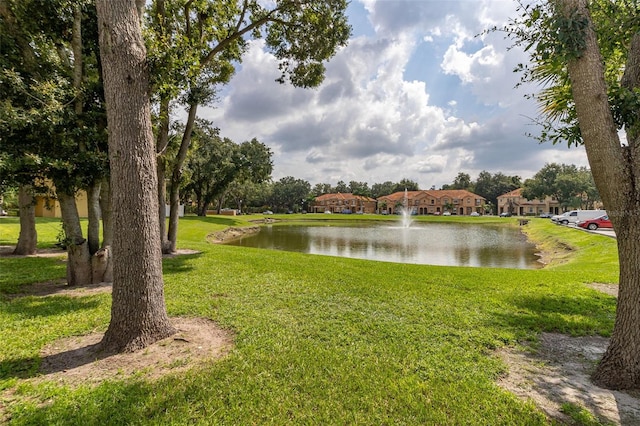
577 215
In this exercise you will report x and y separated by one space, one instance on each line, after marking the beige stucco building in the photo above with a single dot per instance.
513 202
454 201
343 203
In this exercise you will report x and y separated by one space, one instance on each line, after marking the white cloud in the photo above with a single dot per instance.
371 122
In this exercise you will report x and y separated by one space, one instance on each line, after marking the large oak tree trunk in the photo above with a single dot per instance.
138 312
616 172
28 238
78 256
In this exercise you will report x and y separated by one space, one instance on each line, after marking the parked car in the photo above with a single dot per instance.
446 214
593 224
574 216
267 212
546 215
505 214
474 214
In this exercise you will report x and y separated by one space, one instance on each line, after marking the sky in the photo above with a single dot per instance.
416 94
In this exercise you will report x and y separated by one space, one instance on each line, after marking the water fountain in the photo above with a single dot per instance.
405 211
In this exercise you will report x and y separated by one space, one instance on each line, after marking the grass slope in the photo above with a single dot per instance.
319 340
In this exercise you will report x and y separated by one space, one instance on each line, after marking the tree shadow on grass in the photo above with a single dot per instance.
26 368
18 270
31 308
218 220
34 307
575 315
179 264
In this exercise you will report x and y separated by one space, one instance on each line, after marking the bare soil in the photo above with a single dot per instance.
557 370
232 233
76 360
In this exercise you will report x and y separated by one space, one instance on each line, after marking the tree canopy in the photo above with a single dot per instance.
572 186
217 162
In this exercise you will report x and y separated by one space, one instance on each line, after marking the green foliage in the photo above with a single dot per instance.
581 416
572 186
381 189
41 132
288 193
491 186
215 163
552 38
571 35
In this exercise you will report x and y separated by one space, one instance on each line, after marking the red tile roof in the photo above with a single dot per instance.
341 196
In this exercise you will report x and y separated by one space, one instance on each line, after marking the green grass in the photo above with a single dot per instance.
318 340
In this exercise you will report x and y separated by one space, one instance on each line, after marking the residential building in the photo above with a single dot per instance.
50 207
454 201
343 203
513 202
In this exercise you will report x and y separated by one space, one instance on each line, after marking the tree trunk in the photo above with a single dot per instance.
161 147
93 208
138 312
78 256
616 172
102 261
619 367
28 239
202 210
176 177
106 212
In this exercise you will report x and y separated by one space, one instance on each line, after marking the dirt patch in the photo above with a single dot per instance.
6 251
557 371
59 288
180 252
610 289
232 233
75 361
555 255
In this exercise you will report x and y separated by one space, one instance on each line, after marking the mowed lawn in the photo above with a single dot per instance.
318 340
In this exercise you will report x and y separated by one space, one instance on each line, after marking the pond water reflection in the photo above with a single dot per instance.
432 244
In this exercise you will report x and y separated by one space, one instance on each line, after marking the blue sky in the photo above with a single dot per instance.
416 94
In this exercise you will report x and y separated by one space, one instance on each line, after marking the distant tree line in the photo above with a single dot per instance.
572 186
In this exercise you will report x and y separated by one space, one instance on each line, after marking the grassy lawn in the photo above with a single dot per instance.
318 340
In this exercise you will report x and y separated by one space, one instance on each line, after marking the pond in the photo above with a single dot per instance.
482 245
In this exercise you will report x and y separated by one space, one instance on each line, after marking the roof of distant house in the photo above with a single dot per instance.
514 193
343 196
436 193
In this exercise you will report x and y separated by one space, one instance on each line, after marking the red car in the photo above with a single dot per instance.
598 222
